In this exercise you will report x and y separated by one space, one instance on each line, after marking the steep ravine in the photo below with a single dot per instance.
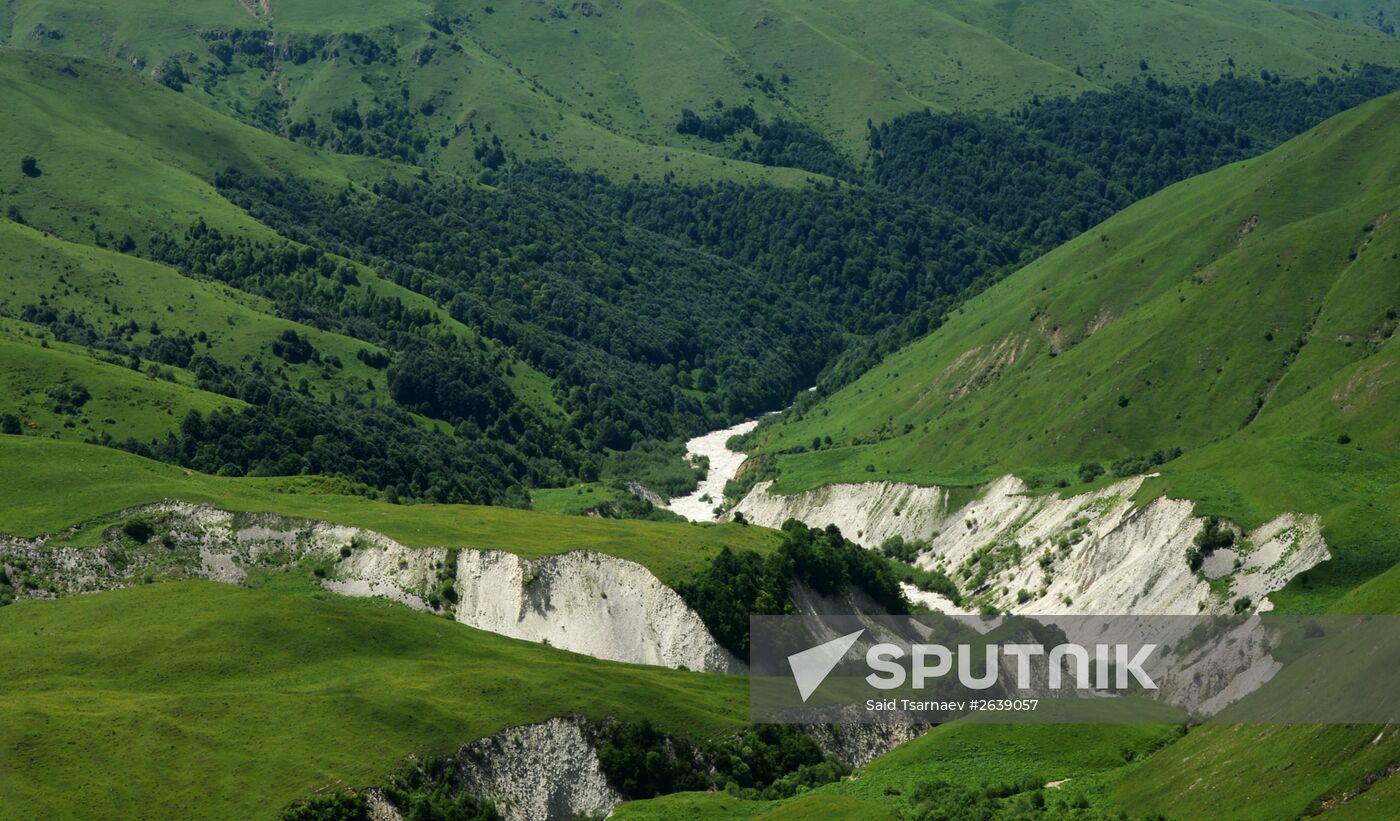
1093 553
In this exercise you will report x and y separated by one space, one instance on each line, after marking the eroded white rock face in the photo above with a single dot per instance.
589 603
585 602
867 513
539 771
1093 553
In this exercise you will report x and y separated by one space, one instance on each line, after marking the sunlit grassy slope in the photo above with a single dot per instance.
967 754
1254 772
125 403
1246 316
602 84
1366 12
200 700
1214 771
121 155
51 485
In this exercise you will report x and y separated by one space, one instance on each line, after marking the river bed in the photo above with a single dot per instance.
724 465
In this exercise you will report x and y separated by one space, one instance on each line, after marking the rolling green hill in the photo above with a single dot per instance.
1245 316
994 771
207 701
602 85
1381 14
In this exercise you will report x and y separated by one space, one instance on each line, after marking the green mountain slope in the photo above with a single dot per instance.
41 384
1245 316
957 769
533 344
599 84
201 700
1382 14
119 158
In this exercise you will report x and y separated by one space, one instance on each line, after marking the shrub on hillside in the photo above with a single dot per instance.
1212 537
338 806
68 396
139 528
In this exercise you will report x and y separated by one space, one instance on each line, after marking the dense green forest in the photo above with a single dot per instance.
1057 167
865 258
778 143
952 201
644 338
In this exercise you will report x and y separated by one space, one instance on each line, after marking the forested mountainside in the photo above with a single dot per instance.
475 339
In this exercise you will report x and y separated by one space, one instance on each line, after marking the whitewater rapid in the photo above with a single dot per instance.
724 465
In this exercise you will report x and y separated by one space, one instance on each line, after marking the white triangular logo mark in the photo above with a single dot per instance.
811 667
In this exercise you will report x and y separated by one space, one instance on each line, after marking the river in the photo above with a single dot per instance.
724 465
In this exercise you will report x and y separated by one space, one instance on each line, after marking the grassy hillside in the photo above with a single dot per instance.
1245 316
38 380
1381 14
603 85
201 700
106 288
1266 773
995 771
1214 771
57 484
119 156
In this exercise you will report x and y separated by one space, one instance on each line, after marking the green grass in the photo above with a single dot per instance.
108 289
965 753
982 754
1258 772
201 700
699 806
125 403
53 485
575 500
605 90
818 807
1265 287
121 155
1367 12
